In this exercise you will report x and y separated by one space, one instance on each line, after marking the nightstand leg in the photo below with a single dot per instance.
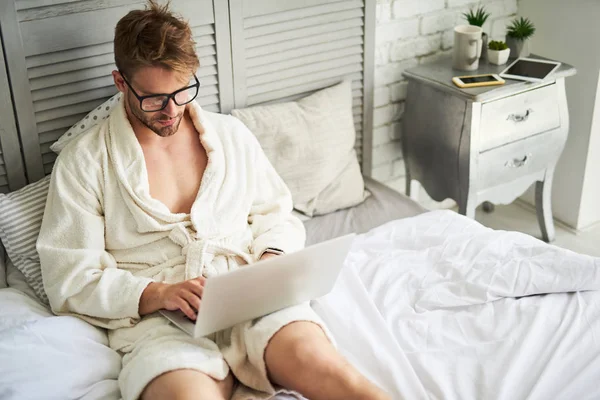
488 207
468 208
543 205
412 189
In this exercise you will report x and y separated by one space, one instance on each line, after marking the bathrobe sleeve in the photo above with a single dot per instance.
271 219
80 276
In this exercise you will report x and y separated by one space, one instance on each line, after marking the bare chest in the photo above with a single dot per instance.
175 175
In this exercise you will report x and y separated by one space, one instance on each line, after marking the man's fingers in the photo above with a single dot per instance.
200 279
197 290
192 299
187 310
187 296
196 287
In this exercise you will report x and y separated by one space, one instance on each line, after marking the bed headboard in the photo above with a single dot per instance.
57 60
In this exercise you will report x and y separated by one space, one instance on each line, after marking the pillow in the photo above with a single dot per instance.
3 283
310 142
93 118
21 215
16 280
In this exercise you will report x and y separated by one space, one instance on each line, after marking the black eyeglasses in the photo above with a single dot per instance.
157 102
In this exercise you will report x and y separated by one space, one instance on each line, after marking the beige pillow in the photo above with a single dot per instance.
310 142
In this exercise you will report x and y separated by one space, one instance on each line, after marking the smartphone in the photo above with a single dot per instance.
470 81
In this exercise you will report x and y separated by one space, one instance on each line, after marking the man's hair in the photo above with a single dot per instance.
154 37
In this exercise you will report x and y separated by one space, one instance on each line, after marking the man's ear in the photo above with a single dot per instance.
119 82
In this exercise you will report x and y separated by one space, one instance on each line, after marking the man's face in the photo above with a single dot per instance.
156 80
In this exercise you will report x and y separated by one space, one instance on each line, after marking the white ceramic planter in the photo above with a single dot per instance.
498 57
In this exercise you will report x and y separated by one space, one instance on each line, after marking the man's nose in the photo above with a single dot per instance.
171 109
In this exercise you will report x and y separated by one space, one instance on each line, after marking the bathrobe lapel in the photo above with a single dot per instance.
150 214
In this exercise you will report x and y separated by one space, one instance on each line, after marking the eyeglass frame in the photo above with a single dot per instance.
169 96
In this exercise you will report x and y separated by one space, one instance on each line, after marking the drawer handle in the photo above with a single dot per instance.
518 162
520 117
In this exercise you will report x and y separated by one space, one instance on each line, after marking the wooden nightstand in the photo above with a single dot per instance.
484 144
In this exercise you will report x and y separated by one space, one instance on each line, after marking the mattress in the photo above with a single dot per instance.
382 206
430 307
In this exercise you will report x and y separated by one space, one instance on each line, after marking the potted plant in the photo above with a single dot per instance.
477 18
498 52
517 36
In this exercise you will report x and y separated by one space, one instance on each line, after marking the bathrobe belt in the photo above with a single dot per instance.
200 252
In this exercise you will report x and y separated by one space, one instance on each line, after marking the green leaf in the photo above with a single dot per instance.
497 45
520 28
476 17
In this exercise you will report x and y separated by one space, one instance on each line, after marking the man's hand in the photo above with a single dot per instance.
185 296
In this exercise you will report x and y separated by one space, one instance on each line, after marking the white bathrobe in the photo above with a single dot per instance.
104 239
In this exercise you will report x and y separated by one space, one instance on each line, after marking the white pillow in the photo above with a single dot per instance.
93 118
310 142
21 215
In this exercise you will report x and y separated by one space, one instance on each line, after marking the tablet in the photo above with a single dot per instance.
530 69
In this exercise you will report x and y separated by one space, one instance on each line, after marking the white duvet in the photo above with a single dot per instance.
48 357
434 306
448 289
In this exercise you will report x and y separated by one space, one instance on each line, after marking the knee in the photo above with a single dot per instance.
305 344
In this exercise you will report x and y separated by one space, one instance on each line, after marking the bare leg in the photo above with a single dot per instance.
184 384
301 358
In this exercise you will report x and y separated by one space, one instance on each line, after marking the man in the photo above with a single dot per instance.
146 205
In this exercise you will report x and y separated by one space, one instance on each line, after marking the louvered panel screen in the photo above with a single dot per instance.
290 49
12 175
4 188
68 60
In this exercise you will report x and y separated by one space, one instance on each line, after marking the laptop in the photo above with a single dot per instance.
259 289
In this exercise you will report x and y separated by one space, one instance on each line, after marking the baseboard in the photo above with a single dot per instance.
590 227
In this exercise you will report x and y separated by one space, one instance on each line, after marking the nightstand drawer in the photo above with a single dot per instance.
518 159
516 117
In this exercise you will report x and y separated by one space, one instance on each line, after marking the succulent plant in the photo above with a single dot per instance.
497 45
520 28
477 17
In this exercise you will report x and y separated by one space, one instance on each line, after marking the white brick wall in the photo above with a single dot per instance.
411 8
409 33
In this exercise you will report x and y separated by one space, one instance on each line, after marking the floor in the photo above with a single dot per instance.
521 217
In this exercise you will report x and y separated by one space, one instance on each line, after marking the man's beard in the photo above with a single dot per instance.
152 124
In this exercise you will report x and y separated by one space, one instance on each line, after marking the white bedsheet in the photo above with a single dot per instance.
448 291
427 307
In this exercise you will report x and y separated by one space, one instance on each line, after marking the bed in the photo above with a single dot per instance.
429 304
